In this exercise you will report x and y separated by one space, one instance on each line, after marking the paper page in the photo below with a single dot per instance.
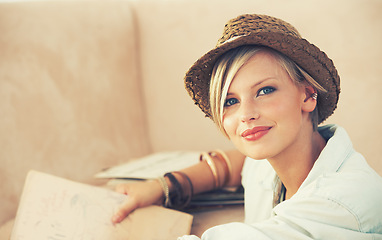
152 166
157 223
59 209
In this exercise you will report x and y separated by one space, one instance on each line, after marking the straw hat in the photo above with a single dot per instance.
252 29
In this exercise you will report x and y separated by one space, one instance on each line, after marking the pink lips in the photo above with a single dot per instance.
255 133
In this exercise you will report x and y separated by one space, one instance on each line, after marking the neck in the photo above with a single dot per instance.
292 168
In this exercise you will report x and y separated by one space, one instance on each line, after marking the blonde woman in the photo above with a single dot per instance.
267 89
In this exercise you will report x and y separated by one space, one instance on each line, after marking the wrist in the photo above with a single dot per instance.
177 189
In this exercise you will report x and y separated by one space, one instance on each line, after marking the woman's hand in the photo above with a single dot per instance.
140 194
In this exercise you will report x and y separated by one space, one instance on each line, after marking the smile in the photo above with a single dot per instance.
255 133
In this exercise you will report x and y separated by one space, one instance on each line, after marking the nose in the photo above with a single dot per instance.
248 111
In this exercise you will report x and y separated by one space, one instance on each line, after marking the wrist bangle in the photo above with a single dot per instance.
227 164
206 156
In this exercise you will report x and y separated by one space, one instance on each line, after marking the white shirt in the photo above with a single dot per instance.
341 198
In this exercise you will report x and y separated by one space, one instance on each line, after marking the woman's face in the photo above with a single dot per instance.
265 110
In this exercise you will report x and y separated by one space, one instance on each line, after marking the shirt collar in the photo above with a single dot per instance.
338 148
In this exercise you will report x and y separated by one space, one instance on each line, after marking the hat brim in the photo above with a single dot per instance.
309 57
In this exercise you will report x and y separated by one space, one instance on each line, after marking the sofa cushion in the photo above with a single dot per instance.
6 230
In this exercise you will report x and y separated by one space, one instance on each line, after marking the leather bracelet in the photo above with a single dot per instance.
187 193
180 195
176 193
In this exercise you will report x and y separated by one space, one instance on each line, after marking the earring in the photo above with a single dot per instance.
314 96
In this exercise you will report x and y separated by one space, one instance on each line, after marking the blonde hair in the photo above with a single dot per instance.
229 64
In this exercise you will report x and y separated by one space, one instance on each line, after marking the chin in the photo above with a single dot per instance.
257 150
255 153
257 157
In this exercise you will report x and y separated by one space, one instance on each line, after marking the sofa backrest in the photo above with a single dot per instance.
70 94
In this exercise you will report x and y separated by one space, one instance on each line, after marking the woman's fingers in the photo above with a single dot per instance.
127 207
122 188
140 194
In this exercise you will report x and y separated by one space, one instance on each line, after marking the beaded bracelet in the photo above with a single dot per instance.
179 196
163 184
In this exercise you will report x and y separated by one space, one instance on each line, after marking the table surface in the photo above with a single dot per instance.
208 218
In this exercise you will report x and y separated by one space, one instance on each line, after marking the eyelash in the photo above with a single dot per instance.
261 92
227 104
271 89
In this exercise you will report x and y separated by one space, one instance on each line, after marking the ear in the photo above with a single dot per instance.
310 102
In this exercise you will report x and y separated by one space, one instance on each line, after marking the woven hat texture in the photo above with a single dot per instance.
253 29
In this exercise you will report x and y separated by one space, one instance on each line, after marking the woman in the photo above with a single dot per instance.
267 89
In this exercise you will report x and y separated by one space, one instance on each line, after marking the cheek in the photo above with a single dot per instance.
229 125
286 113
282 107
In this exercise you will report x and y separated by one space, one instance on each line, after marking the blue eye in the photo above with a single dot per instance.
230 102
266 90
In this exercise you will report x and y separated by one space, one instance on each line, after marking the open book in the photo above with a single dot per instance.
151 166
60 209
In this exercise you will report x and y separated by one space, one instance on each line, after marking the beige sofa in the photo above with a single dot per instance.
89 84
